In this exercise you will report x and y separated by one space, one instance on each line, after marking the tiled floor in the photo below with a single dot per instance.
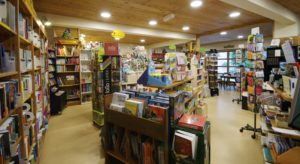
72 138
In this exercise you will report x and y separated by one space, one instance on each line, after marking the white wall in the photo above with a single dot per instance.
220 46
283 30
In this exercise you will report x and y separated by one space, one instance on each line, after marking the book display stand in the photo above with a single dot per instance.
140 126
255 78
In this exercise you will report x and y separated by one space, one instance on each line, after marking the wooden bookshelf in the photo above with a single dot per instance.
59 43
14 41
85 74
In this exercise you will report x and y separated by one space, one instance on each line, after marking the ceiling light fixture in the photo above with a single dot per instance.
142 40
185 28
117 38
105 14
223 33
82 35
47 23
196 3
234 14
240 37
152 22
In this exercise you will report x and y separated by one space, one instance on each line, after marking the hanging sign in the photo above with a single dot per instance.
172 47
118 34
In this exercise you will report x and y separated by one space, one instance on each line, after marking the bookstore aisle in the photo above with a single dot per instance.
77 142
71 138
228 145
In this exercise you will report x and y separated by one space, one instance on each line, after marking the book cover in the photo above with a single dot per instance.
185 143
134 107
157 113
192 121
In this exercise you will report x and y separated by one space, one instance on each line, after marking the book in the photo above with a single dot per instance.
4 146
157 113
192 121
11 16
134 107
3 10
3 106
119 98
185 143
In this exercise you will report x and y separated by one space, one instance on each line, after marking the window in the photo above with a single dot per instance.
227 62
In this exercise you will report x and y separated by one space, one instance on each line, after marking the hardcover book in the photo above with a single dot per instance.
192 121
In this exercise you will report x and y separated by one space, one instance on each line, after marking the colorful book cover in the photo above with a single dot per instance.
157 113
192 121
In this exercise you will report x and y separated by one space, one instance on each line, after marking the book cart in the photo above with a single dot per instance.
123 132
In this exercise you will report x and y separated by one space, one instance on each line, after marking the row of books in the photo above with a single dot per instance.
142 149
86 78
9 92
68 61
9 134
73 94
68 80
141 107
86 68
37 80
68 51
25 59
86 87
26 84
66 69
8 14
7 60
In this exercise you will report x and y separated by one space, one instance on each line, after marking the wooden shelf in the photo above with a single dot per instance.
86 93
8 74
67 72
11 113
27 71
72 85
67 56
68 64
284 95
26 96
67 41
24 41
6 32
175 84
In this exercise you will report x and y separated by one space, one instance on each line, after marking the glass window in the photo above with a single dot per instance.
233 70
222 63
222 55
232 55
222 69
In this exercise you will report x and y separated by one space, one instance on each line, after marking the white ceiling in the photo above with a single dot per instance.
265 28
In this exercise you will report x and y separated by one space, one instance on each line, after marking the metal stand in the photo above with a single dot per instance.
254 129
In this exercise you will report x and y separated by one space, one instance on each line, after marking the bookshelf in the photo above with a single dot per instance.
24 42
212 69
86 75
68 67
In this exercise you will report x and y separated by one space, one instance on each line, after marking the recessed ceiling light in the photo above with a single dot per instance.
240 37
47 23
152 22
196 3
223 33
117 38
142 40
185 28
234 14
105 14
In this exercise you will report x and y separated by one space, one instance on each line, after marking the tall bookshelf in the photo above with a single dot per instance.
212 69
86 75
25 41
68 69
